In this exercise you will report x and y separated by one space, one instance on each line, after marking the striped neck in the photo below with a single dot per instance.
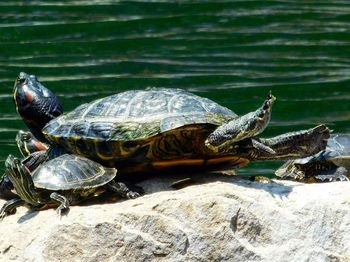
22 181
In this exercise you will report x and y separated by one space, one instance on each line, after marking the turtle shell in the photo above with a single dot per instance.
137 115
143 130
68 172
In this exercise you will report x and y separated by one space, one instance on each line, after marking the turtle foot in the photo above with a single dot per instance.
318 138
62 211
63 208
331 178
10 207
125 191
132 195
339 174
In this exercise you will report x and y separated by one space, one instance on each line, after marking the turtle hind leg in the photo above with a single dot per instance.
241 127
296 144
63 208
123 190
10 207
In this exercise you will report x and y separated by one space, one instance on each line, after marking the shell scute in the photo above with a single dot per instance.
136 114
68 172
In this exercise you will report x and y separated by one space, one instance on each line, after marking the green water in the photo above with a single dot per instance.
233 52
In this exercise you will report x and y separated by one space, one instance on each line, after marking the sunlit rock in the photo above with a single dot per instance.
219 218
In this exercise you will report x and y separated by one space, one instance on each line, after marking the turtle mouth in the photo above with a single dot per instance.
21 79
270 99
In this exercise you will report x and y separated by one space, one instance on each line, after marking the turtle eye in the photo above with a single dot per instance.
26 137
21 80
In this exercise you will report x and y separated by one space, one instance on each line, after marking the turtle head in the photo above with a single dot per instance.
262 115
36 104
21 179
27 144
240 128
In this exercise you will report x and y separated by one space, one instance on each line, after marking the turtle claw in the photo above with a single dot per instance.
10 207
125 191
63 208
134 192
343 178
338 175
331 178
3 214
132 195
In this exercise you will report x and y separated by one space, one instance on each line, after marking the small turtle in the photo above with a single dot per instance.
332 164
63 181
147 130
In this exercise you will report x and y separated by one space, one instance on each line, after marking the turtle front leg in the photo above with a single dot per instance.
122 190
63 208
9 208
242 127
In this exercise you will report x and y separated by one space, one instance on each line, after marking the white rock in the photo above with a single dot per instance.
226 220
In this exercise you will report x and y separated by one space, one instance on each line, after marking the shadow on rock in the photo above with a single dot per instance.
28 215
171 182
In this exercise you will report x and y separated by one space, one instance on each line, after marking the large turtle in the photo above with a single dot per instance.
148 130
158 128
332 164
64 180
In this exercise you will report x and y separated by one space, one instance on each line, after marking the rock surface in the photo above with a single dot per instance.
220 218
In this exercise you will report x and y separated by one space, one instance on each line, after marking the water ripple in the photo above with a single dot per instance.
233 52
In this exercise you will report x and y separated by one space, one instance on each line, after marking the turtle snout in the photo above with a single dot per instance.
22 78
270 99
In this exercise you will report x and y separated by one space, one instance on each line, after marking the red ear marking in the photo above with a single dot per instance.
40 146
28 95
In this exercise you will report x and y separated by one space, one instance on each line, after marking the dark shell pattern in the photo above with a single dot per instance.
68 172
138 114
